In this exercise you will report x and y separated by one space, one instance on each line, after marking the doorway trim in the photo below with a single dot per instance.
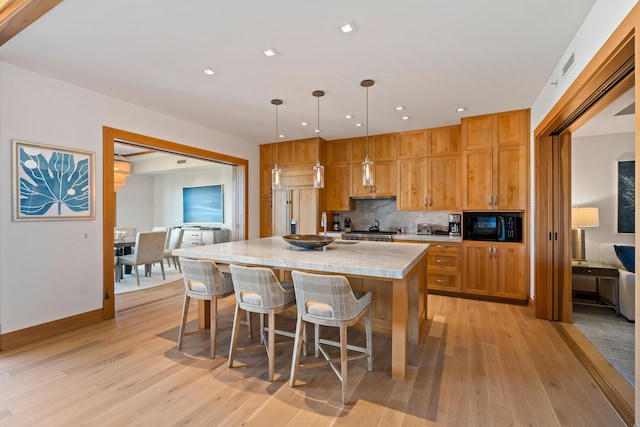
109 137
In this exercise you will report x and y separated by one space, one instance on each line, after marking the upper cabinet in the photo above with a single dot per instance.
495 166
412 145
444 141
339 152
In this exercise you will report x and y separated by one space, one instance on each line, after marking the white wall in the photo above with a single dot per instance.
134 203
43 264
593 183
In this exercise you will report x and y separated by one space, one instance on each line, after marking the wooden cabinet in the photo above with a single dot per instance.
300 204
381 147
337 182
494 269
444 269
444 141
305 151
266 219
495 166
412 192
338 152
384 176
412 145
444 189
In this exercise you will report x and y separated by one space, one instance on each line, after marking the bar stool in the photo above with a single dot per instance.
203 280
329 301
258 290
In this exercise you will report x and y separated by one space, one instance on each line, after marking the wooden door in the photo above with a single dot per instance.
510 181
477 258
337 182
443 182
509 266
411 184
477 179
266 220
304 209
281 212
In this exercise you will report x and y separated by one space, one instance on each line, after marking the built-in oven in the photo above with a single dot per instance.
492 226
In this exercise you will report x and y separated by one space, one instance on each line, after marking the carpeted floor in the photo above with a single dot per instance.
612 335
129 284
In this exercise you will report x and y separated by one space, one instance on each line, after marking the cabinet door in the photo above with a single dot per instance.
383 147
444 141
411 188
510 177
478 268
337 182
305 151
266 217
285 153
444 187
304 202
338 152
477 132
511 128
358 150
267 155
281 212
477 179
265 182
384 174
509 265
412 145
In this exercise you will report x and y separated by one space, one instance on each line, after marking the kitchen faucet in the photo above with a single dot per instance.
323 222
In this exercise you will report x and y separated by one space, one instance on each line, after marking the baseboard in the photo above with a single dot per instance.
46 330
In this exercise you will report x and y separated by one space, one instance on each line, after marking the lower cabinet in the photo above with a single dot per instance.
199 237
444 267
494 269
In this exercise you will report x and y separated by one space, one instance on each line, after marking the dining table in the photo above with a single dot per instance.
400 266
124 247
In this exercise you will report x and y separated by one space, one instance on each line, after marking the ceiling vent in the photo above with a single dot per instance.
629 109
181 162
568 65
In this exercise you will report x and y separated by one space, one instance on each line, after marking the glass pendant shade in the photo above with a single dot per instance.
318 175
318 169
367 173
276 178
276 172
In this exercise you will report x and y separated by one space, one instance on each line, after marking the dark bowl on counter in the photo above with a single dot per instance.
308 241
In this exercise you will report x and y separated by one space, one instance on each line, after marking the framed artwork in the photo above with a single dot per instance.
626 196
204 204
52 183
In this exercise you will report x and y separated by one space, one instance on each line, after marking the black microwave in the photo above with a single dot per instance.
492 226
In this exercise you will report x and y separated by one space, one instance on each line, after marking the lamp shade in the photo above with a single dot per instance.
121 170
585 217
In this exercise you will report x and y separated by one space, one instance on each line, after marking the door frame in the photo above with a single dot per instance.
552 190
109 137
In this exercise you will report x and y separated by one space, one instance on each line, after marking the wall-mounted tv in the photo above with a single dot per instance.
202 204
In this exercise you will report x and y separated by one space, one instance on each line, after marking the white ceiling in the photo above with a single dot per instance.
429 56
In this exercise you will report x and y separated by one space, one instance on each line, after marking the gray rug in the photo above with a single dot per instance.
129 284
612 335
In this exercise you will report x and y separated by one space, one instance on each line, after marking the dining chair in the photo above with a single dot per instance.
203 280
328 300
258 290
149 249
174 243
160 228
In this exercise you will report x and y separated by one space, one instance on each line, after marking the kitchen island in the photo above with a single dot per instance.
399 266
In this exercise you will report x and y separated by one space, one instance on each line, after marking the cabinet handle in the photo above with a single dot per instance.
442 280
489 200
441 246
442 261
425 202
428 201
495 201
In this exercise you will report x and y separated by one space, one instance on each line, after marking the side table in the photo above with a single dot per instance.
598 271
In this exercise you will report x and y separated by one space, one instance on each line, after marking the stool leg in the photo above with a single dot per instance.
234 335
369 344
296 350
272 343
183 322
316 338
343 361
214 325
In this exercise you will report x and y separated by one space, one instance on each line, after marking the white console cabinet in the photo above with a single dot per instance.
199 237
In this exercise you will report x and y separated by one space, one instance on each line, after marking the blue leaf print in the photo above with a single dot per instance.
56 182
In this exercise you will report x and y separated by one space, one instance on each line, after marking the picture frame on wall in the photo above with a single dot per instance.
626 196
52 183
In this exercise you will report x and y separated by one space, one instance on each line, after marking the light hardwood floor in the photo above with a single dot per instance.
478 364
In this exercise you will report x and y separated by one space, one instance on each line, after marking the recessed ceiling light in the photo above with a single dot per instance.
209 72
399 108
461 109
406 117
358 124
281 135
349 27
304 123
317 130
348 116
270 52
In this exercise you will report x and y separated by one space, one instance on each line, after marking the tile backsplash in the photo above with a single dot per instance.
384 210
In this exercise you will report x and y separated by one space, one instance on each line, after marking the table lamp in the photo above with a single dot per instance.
581 218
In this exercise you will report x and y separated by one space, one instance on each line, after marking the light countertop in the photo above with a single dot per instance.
409 236
373 259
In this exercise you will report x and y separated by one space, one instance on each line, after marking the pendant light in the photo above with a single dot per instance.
276 173
318 169
367 165
121 170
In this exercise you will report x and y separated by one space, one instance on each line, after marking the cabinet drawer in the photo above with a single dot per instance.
440 247
443 263
443 282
